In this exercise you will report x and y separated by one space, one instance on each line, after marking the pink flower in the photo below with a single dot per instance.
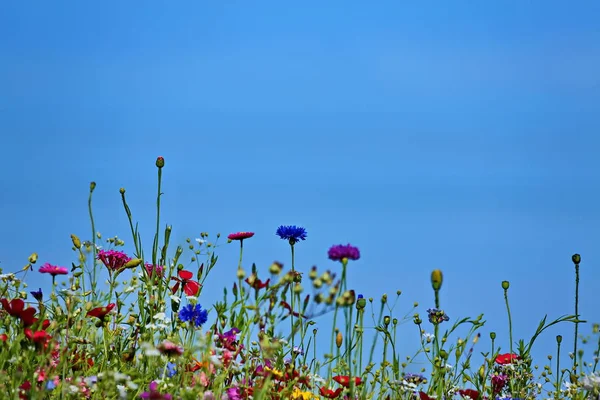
53 270
170 348
113 260
154 268
240 235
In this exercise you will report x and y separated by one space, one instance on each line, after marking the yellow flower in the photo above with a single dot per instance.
299 394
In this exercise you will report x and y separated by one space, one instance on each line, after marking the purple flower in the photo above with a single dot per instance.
436 316
340 252
292 233
39 296
154 394
234 393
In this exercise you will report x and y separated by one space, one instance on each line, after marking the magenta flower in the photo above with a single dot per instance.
113 260
154 268
234 393
53 270
339 252
240 235
154 394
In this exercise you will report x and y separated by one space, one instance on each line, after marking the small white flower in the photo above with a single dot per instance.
215 360
175 298
150 350
200 241
130 289
428 336
7 276
160 316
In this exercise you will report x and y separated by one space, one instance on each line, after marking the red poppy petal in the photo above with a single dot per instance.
191 288
185 274
175 288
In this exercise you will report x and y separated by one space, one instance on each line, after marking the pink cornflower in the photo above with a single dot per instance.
170 348
53 270
240 235
113 260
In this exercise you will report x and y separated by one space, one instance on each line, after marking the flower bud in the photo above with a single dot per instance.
482 373
134 262
339 339
76 241
241 273
33 258
436 279
276 268
361 302
576 259
505 285
160 162
386 321
558 339
92 186
492 335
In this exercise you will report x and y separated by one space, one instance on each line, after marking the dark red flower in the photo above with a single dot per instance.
423 396
38 337
289 308
471 393
330 394
101 312
344 380
507 358
256 283
23 389
190 287
3 337
240 235
16 308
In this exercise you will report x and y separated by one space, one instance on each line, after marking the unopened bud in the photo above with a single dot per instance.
92 186
33 258
505 285
339 339
436 279
558 339
76 241
134 262
576 259
160 162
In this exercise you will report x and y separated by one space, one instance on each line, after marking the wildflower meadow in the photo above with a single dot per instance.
147 332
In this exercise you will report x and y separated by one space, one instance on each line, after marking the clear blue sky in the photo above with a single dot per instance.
454 135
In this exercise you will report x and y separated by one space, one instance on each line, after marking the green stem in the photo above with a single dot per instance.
576 316
509 320
557 385
155 244
292 286
94 251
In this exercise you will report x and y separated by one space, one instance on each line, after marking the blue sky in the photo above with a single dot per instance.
453 135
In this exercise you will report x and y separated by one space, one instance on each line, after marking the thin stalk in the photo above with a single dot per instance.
577 316
94 251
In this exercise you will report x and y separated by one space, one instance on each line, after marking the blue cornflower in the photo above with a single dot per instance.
171 370
38 295
292 233
194 314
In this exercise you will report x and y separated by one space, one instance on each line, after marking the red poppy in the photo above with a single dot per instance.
190 287
344 380
330 394
507 358
471 393
45 323
101 312
16 308
3 337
